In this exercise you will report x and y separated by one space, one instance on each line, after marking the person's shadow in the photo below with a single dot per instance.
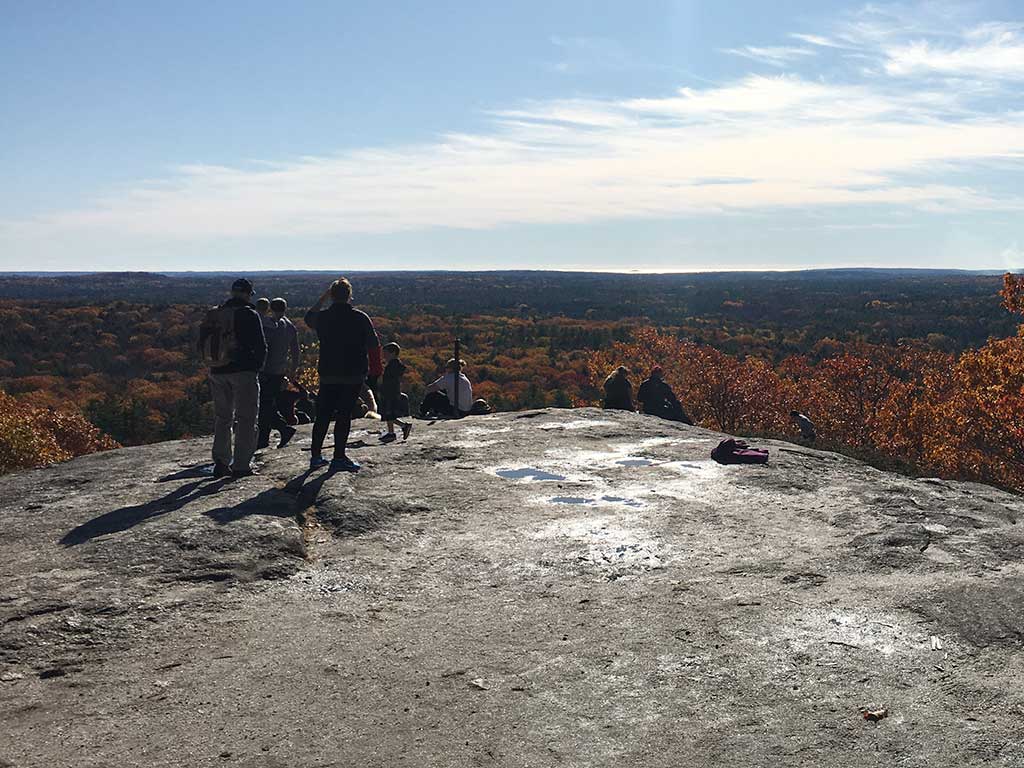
127 517
289 501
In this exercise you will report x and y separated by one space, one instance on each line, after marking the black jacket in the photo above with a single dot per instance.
346 338
250 343
391 381
654 392
618 393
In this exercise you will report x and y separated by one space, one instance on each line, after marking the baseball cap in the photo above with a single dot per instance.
243 286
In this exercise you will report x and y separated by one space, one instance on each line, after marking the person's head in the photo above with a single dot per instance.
391 351
278 307
341 290
656 372
622 371
242 289
452 367
263 306
794 414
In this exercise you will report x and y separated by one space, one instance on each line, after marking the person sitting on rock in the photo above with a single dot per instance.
618 391
449 395
805 424
656 398
348 341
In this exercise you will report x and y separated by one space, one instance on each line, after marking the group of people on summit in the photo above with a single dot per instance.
254 354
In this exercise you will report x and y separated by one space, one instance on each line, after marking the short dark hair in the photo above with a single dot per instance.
263 303
393 348
279 305
341 289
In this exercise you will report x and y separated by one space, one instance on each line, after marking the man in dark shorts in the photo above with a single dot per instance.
347 344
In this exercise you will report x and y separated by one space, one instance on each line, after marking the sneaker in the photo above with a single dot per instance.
287 433
318 461
221 470
345 465
406 430
245 472
388 437
262 445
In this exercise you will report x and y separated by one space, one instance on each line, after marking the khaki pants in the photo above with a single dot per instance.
236 406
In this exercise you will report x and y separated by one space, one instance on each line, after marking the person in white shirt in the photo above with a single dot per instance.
448 390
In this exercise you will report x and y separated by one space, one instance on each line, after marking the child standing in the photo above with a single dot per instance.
393 403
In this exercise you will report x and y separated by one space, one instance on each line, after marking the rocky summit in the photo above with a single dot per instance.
559 587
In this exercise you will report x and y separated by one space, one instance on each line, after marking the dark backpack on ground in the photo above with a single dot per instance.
480 407
731 451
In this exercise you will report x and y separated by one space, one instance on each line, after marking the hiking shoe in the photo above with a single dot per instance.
287 433
345 465
245 472
262 444
221 470
388 437
317 462
406 429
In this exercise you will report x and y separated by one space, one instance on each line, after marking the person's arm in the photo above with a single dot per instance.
294 352
314 311
373 351
436 386
251 335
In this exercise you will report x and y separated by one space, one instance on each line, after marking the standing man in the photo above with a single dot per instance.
231 340
282 361
349 347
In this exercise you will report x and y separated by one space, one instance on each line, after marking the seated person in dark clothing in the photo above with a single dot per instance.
656 398
805 424
618 391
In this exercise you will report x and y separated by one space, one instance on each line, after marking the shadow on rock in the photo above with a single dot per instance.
127 517
273 502
189 473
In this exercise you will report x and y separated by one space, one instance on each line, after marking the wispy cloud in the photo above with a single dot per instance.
776 56
755 144
993 50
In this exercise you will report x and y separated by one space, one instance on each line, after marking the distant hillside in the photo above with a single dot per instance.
881 305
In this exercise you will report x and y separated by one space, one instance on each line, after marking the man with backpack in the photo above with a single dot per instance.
231 341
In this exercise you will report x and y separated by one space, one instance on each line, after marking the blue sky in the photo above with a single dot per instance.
655 136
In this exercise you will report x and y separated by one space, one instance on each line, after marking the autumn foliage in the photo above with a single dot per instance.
33 436
955 416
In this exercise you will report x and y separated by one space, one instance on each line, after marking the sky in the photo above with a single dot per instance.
653 136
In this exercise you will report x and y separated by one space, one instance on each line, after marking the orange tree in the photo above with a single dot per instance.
33 436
